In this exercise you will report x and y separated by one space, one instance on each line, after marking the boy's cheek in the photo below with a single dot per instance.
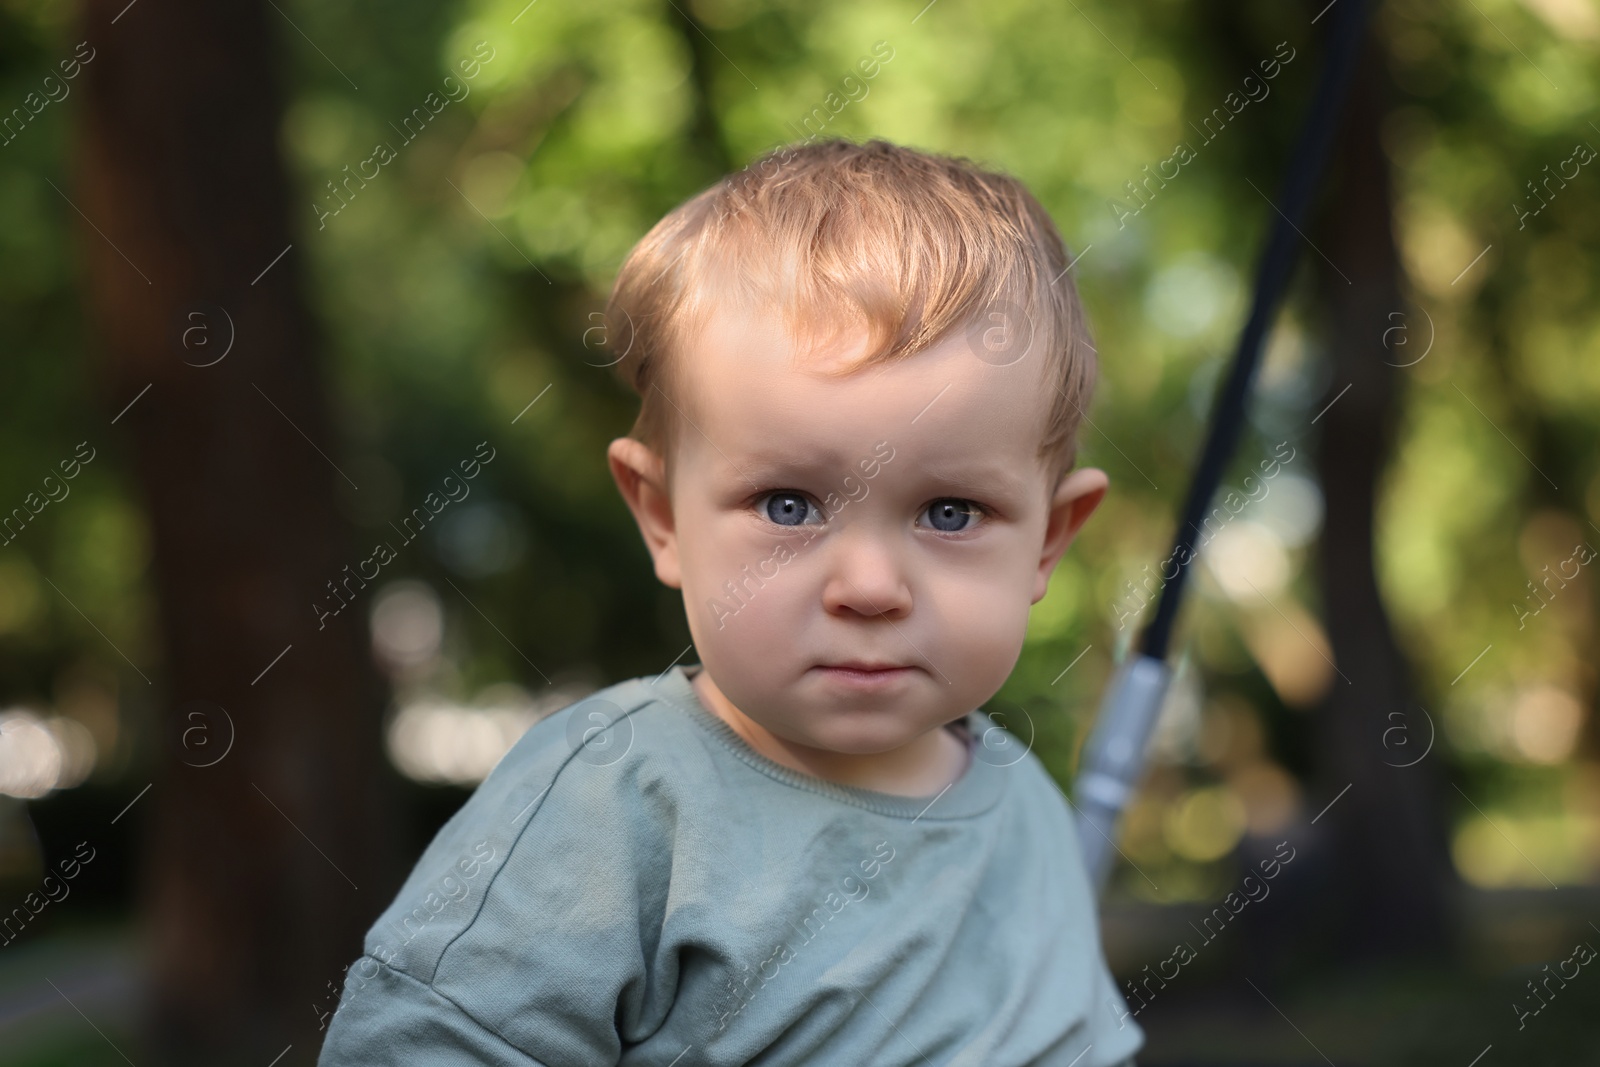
990 610
716 587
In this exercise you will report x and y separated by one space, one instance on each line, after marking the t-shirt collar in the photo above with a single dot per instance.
993 761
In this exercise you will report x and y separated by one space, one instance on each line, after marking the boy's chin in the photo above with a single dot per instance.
849 734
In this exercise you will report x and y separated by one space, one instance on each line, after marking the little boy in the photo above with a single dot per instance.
862 369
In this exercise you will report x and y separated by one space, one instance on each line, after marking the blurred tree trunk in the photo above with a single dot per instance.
248 891
1385 884
705 131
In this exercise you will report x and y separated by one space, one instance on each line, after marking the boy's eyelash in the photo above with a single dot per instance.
985 513
984 510
755 502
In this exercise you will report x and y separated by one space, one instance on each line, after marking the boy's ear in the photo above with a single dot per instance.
1075 499
641 479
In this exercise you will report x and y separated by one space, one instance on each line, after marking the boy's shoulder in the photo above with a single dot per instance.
602 729
605 748
590 788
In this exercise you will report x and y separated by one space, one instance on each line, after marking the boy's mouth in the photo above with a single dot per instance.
862 674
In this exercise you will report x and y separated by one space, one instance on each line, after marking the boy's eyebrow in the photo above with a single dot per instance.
979 478
771 468
819 460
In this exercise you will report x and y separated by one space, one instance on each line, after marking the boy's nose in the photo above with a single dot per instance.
866 576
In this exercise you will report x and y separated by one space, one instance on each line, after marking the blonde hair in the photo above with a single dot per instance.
913 245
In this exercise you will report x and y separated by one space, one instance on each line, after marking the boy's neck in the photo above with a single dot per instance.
920 768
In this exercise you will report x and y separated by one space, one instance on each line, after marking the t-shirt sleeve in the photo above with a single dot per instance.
1109 1027
401 1020
523 935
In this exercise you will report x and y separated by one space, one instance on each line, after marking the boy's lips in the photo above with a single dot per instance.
860 675
865 665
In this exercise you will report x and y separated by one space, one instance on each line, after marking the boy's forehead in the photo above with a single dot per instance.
757 390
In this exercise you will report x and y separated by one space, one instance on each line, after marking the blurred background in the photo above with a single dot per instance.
274 278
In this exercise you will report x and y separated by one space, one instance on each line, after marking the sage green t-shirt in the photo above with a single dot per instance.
634 884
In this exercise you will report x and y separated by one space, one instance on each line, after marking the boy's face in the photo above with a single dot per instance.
851 502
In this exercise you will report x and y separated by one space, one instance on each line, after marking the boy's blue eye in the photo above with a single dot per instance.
951 515
790 509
